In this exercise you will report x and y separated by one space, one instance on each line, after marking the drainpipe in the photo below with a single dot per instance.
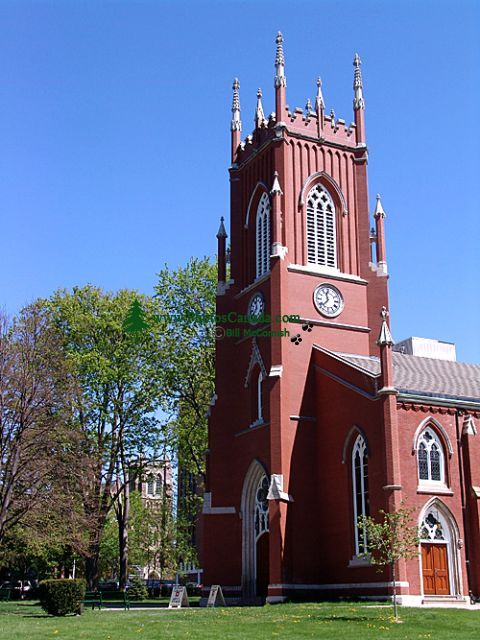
462 494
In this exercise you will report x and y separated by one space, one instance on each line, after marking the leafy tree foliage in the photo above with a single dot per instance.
151 539
34 418
114 401
186 300
394 538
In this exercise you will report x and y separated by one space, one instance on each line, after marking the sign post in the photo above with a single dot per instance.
179 598
215 597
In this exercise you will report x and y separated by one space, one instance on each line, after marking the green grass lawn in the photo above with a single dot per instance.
337 621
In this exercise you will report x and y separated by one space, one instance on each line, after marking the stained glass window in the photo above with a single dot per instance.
431 461
431 527
360 491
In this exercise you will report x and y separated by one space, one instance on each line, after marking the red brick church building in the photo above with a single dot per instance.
317 417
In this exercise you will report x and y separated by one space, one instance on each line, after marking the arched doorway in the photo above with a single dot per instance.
255 537
439 551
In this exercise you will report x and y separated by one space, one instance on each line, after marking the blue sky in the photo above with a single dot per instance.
114 137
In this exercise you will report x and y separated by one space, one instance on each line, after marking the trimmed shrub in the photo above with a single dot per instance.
61 597
137 589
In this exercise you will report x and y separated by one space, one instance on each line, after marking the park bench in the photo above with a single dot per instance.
102 597
93 598
5 594
114 597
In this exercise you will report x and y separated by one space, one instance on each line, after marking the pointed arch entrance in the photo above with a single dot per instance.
255 532
440 562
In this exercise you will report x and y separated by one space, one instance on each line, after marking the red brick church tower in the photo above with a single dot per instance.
304 431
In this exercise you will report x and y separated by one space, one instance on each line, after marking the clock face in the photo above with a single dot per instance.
328 300
256 307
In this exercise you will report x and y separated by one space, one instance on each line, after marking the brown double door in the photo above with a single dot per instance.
435 570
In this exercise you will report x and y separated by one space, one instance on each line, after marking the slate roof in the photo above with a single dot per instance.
426 376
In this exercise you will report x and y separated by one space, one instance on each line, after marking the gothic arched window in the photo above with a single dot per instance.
431 458
150 486
158 486
360 491
321 228
259 397
263 236
261 507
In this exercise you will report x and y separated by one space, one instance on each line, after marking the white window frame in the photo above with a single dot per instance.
150 486
259 397
262 239
360 448
321 229
428 483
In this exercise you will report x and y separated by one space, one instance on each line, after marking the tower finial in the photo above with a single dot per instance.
319 102
358 101
236 124
221 230
379 212
280 79
260 120
385 337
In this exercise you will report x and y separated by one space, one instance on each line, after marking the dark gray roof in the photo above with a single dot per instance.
426 376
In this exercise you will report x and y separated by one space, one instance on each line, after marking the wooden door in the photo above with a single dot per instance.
435 570
262 565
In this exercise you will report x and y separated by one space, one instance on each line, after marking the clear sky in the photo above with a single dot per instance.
114 137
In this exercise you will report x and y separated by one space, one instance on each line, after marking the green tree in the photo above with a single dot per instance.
151 540
116 396
34 415
186 306
186 301
394 538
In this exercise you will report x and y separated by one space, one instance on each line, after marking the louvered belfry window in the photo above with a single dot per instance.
321 228
263 235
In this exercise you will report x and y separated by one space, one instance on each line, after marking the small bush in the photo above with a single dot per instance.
137 589
60 597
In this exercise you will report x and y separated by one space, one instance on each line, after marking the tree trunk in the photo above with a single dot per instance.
91 567
123 512
395 610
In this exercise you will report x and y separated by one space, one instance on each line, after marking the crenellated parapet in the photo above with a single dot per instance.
310 122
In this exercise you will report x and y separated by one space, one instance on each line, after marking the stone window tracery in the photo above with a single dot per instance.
360 491
261 507
431 458
432 527
321 228
263 236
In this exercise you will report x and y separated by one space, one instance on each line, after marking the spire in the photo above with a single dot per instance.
385 337
332 118
259 115
221 230
358 101
280 79
379 215
276 189
236 122
319 102
379 212
221 256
